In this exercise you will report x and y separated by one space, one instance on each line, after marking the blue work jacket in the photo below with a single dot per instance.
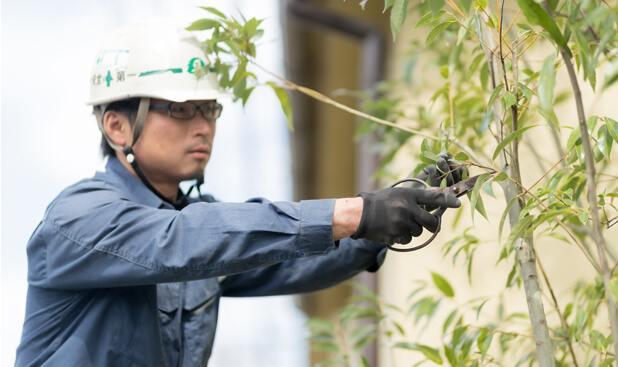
118 277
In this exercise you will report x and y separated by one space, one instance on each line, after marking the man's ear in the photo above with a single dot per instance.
117 127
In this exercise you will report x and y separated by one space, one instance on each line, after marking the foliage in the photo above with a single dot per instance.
491 102
231 49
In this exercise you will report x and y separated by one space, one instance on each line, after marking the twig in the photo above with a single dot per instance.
594 264
322 98
597 232
472 33
565 327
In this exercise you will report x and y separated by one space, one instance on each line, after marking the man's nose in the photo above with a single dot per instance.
202 126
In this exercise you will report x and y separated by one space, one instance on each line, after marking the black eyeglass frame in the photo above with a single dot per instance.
215 108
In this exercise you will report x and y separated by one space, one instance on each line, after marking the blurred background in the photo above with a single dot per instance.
50 139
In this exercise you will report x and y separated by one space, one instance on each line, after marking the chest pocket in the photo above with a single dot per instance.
189 331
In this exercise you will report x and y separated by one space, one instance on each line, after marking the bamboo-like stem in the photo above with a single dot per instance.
524 251
597 231
563 322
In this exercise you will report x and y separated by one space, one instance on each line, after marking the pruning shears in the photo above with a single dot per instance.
459 189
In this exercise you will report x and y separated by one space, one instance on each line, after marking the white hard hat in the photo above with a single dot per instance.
153 58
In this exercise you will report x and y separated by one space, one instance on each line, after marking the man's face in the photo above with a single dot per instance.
172 150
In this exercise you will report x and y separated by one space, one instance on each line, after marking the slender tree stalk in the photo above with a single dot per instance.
524 251
597 231
563 322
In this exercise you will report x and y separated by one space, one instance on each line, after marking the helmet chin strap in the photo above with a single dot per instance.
140 120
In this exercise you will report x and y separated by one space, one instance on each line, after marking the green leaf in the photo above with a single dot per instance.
398 16
484 342
538 16
518 229
583 216
322 337
428 18
443 285
509 99
604 141
494 95
436 6
611 74
547 81
285 103
574 138
475 197
480 207
449 320
512 136
478 310
607 362
461 156
613 287
585 55
326 347
612 127
387 4
428 157
203 24
466 5
527 92
320 324
437 30
431 354
500 177
214 11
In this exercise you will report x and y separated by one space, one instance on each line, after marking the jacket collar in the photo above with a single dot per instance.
117 174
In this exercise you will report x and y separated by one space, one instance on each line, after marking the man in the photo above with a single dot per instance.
126 270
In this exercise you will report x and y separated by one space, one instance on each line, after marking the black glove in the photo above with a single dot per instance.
435 173
393 215
444 167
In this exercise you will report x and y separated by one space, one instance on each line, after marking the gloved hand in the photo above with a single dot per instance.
393 215
444 167
435 173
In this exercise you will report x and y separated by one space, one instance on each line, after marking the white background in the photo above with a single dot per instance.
50 140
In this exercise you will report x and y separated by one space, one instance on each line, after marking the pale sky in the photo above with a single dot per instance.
50 140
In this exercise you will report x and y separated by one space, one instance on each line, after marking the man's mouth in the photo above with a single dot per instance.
201 152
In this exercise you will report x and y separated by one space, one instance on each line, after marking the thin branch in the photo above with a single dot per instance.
594 264
452 4
563 322
472 33
322 98
512 22
514 333
551 169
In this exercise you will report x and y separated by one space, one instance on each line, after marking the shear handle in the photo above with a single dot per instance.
436 213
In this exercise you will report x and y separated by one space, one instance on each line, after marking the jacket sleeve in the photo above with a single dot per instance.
94 236
308 274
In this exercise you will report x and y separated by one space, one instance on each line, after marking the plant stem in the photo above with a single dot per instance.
524 251
565 327
322 98
597 233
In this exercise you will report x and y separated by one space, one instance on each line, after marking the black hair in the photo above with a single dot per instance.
128 108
